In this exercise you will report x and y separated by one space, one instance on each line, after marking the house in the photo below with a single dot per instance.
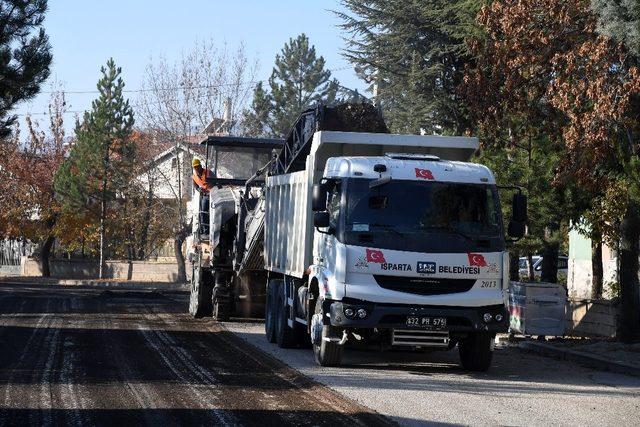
162 169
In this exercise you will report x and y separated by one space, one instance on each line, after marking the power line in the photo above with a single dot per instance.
85 92
252 82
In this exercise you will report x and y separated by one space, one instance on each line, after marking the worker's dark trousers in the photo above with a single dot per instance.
204 214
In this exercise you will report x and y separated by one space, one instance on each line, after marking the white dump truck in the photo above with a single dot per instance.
370 238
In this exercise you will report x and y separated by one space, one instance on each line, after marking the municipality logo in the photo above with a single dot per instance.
426 267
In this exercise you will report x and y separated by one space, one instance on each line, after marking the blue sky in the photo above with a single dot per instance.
84 34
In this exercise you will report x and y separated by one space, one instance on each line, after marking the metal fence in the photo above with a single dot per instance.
11 251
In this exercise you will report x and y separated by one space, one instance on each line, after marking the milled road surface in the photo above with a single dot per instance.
96 356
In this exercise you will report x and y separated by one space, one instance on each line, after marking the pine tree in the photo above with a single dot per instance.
101 161
256 119
25 55
414 52
299 80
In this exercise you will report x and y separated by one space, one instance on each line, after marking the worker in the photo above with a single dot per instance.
200 183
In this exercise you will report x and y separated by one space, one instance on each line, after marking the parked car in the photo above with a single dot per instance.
523 266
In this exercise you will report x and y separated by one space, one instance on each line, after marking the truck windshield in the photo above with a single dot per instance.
423 216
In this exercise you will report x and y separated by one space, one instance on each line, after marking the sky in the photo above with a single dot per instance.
85 34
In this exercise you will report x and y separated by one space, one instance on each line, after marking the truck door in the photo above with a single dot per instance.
326 251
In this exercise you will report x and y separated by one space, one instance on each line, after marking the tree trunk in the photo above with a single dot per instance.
177 248
550 262
532 276
597 276
45 254
514 266
629 324
144 233
103 214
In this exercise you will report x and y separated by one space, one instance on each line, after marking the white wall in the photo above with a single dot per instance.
580 274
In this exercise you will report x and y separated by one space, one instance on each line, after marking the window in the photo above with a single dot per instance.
333 204
422 216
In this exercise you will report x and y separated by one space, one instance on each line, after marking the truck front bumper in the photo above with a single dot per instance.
394 316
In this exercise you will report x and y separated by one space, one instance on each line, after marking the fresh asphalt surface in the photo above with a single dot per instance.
90 355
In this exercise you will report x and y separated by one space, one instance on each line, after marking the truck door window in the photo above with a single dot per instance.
333 204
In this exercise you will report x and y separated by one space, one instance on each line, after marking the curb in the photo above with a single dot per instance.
102 283
588 360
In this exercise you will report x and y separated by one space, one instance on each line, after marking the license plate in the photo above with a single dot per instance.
426 322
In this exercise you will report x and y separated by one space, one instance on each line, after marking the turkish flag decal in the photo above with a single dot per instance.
424 174
375 256
477 260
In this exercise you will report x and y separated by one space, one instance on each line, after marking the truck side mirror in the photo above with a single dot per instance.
519 208
319 198
516 229
321 219
517 225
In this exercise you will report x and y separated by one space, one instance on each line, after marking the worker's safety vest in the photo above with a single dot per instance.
202 180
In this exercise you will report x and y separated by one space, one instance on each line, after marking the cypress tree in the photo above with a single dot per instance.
100 163
415 51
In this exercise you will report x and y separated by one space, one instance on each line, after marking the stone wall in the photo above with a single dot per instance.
9 270
142 271
591 318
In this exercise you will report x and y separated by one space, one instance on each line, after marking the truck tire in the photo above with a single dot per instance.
327 353
221 310
285 336
201 293
221 299
476 351
303 339
270 312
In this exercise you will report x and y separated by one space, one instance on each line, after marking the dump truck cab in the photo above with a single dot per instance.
403 240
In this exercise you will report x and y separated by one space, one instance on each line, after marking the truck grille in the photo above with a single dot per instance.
418 338
424 286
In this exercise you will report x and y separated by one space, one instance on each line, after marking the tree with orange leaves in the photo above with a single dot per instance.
543 66
30 209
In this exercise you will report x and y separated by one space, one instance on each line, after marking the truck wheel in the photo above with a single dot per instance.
201 292
285 336
302 336
270 312
221 299
327 353
221 309
476 351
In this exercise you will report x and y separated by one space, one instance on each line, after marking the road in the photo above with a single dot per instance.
95 356
86 356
